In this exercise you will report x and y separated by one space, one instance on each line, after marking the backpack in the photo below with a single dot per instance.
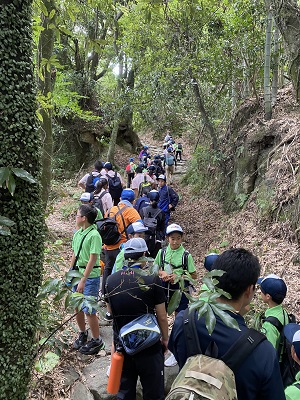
129 169
170 160
114 186
144 187
92 182
108 228
184 262
288 366
179 147
97 202
151 222
206 376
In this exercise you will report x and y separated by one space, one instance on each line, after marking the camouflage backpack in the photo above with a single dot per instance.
204 376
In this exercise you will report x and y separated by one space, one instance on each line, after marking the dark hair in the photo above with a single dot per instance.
98 165
88 211
100 184
242 270
138 170
133 256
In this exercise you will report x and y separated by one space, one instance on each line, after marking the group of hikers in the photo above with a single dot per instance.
128 229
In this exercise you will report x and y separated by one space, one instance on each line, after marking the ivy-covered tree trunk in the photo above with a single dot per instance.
267 69
21 254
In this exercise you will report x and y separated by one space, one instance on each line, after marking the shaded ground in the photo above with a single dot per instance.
206 227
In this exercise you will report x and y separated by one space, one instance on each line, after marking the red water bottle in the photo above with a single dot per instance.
116 367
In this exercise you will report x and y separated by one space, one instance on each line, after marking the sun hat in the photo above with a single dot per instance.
274 286
209 260
173 228
127 194
135 245
136 227
292 333
86 196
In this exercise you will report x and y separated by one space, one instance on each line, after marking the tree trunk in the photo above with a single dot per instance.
45 51
267 69
287 18
275 65
21 257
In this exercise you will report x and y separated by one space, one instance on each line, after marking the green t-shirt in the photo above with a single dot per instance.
271 332
99 214
174 258
119 263
92 245
292 392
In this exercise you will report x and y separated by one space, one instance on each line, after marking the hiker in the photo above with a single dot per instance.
115 182
142 201
102 197
178 151
128 301
179 260
167 137
89 180
87 244
169 165
125 215
155 220
258 376
141 180
88 198
152 173
159 170
130 171
273 291
144 155
292 334
168 198
135 230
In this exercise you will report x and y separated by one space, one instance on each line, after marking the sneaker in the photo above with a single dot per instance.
108 317
108 371
171 361
80 341
93 346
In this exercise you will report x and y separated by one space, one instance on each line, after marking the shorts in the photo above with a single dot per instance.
92 286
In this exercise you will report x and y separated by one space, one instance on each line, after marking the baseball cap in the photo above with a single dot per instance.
86 196
209 260
127 194
169 149
136 227
135 245
173 228
131 159
274 286
292 333
107 165
162 177
146 147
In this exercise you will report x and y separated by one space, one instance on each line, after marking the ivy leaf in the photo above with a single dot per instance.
6 221
47 362
21 173
4 174
225 317
175 300
4 231
210 319
11 184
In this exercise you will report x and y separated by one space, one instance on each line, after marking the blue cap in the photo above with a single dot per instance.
127 194
169 149
209 260
146 147
274 286
292 333
107 165
131 159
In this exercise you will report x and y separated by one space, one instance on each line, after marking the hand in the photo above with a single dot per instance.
81 285
164 276
165 345
170 206
171 278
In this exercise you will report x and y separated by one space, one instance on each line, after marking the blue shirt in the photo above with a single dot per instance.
257 378
167 196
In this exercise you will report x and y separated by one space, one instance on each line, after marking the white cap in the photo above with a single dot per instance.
173 228
86 196
138 227
162 177
135 245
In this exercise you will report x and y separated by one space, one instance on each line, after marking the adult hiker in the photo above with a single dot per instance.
115 182
129 300
89 180
102 197
140 180
178 151
144 155
124 214
170 165
130 171
168 198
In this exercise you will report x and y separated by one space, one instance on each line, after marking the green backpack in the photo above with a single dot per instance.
204 376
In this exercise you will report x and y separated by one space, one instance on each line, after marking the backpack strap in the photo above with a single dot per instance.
190 333
275 322
157 213
125 227
185 261
297 385
242 348
162 257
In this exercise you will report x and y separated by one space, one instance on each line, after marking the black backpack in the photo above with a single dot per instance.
179 147
288 366
92 182
97 202
151 224
115 186
144 187
184 262
109 228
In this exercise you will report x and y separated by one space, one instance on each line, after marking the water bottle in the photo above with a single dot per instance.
116 368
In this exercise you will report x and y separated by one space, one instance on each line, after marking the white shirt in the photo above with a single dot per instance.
139 179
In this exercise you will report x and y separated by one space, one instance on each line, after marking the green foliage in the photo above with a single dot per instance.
5 223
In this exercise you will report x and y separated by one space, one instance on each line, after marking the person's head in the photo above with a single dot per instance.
174 235
272 288
127 194
86 215
98 165
102 183
107 166
242 271
131 159
161 180
137 229
145 147
86 198
139 169
153 196
169 149
292 333
209 261
145 191
134 249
